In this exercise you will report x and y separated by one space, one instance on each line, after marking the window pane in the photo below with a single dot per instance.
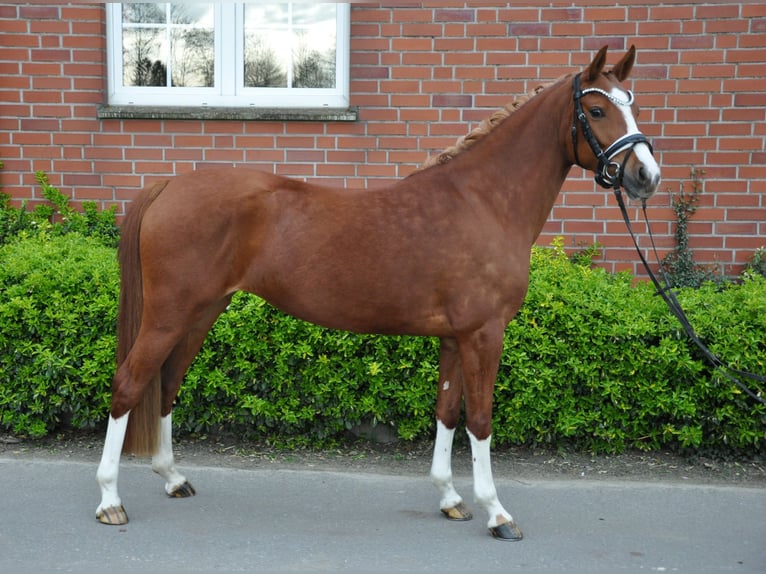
290 45
195 14
313 67
313 45
144 57
320 15
192 45
265 62
266 15
193 58
143 13
266 45
154 46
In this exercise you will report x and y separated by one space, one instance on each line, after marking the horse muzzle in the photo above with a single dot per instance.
639 172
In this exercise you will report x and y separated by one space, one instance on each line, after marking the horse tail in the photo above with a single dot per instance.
142 436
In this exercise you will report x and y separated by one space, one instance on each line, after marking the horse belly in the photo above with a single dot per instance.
351 302
406 295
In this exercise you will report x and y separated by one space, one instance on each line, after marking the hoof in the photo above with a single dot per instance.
459 512
507 531
184 490
113 515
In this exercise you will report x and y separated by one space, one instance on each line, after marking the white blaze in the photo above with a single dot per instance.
641 150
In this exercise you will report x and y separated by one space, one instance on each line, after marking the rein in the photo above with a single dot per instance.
669 296
609 175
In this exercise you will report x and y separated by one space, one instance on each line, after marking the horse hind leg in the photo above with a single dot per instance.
111 510
163 463
448 403
173 371
126 394
152 352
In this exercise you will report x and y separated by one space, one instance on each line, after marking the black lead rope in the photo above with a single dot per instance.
670 298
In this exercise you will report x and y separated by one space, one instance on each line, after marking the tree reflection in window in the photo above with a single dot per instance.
290 45
168 42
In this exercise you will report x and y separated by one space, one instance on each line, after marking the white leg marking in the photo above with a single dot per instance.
109 467
163 462
441 467
483 485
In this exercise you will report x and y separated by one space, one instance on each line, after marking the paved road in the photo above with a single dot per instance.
273 520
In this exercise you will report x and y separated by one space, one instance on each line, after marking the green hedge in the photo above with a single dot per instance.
58 309
593 361
598 360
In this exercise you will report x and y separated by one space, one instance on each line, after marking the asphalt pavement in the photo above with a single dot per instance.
272 520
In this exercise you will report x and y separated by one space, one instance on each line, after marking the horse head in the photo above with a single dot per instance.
605 135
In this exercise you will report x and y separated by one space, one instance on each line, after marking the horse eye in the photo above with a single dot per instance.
596 113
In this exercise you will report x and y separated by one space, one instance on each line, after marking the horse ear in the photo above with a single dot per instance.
624 66
596 66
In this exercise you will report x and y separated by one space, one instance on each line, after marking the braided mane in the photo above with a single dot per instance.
487 125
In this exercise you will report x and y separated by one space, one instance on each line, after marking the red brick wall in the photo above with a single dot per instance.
423 74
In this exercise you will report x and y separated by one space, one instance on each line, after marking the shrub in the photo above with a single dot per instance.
756 265
57 324
593 361
56 217
597 361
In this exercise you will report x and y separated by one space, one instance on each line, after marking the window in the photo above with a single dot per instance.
280 55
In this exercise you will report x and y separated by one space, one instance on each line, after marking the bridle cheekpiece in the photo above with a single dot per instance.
609 173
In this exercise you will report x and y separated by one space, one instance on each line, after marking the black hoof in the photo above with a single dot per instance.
184 490
507 531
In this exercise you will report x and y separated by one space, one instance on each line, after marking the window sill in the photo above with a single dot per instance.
107 112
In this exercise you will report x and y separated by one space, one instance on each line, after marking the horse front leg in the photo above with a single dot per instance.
501 524
110 510
449 400
480 357
163 463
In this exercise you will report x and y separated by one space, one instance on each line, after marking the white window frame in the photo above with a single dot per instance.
229 90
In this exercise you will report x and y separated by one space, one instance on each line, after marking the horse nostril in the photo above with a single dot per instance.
643 175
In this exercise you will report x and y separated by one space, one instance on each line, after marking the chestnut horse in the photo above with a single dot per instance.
442 253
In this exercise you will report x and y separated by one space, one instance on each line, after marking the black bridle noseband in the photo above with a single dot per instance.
609 172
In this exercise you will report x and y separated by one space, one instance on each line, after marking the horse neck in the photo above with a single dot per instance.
520 166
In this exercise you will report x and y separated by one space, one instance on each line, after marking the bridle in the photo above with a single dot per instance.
609 172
